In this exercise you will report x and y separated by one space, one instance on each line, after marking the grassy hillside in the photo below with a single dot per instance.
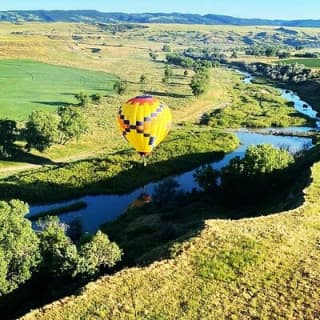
259 268
30 85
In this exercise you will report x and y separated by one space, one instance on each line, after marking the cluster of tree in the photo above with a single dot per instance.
42 130
189 62
120 27
267 51
200 82
284 72
153 56
168 74
307 55
166 48
214 55
120 86
83 98
261 172
180 60
8 135
48 253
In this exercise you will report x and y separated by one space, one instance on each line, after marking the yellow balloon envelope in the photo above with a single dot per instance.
144 121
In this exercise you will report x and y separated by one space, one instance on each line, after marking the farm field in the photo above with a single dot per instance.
308 62
29 85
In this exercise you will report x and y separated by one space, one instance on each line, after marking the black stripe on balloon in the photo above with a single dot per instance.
151 141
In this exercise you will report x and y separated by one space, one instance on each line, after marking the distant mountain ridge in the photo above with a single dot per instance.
93 16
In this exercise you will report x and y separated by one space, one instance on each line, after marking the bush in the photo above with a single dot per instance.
19 246
259 173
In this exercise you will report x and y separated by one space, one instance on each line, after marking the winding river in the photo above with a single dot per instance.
104 208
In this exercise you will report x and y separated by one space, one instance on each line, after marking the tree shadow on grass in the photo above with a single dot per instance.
19 155
56 103
167 94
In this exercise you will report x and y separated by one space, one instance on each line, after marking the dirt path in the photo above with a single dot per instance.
7 171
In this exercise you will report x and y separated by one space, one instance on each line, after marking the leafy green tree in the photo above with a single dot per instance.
271 51
83 99
41 130
207 178
96 98
234 55
166 48
19 246
168 73
120 87
96 253
259 173
62 258
8 136
153 56
142 80
72 124
200 83
59 254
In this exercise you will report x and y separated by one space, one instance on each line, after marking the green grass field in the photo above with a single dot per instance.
308 62
28 85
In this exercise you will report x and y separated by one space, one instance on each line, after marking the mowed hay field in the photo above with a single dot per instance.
29 85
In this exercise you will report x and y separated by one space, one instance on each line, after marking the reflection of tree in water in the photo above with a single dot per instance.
167 193
143 199
75 229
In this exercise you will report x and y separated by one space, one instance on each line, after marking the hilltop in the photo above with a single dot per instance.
93 16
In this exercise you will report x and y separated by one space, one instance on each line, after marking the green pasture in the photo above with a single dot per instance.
28 85
308 62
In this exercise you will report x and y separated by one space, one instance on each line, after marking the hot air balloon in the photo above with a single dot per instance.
144 121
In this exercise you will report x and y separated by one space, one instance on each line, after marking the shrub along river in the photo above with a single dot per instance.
103 208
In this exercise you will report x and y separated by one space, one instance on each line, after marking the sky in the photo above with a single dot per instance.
268 9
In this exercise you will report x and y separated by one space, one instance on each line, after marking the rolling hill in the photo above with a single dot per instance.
93 16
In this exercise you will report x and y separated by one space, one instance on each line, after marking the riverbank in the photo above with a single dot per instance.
307 90
184 149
